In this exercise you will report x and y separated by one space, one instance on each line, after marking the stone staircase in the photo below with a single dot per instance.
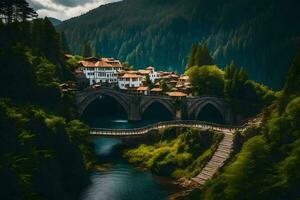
217 161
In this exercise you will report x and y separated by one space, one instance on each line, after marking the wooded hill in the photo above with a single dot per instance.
259 35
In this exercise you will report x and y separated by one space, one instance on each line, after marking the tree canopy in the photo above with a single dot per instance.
16 10
199 55
266 166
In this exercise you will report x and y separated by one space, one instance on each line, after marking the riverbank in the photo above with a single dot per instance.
116 179
176 152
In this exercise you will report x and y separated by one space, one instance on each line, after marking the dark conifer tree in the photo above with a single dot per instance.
199 55
65 43
24 11
191 59
292 84
230 70
16 10
87 50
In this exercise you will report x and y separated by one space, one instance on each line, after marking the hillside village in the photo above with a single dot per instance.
108 72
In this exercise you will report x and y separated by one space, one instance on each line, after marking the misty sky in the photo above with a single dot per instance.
65 9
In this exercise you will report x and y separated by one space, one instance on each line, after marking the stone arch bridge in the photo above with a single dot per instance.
135 105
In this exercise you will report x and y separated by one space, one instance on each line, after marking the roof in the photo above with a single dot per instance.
173 81
184 78
143 89
150 68
91 59
179 86
177 94
130 76
144 72
156 90
103 62
174 76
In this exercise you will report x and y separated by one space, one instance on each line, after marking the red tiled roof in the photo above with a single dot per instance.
156 90
103 62
143 89
144 72
185 78
177 94
130 76
150 68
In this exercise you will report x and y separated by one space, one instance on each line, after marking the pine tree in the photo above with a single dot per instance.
191 59
87 50
292 84
206 57
64 42
16 10
230 70
199 56
242 75
24 11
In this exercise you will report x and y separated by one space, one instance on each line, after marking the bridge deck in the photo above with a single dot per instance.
162 125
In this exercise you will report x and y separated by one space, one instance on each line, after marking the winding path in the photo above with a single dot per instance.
219 157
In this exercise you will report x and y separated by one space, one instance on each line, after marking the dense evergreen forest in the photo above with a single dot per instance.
44 151
258 35
267 165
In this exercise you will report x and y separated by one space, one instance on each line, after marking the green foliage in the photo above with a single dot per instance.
16 10
32 65
207 80
36 145
247 98
176 155
164 86
40 152
199 56
292 84
149 82
259 35
73 62
127 66
267 166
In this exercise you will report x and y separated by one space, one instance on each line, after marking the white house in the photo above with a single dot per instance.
103 70
129 80
153 74
149 71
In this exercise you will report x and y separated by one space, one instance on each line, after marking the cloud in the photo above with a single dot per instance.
65 9
71 3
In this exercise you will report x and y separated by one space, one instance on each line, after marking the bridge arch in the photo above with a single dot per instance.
166 103
221 106
87 100
219 112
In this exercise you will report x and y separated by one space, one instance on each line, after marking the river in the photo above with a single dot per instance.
122 181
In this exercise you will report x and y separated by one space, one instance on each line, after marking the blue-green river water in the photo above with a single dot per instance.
123 181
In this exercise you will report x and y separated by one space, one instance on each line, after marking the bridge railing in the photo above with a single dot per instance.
166 124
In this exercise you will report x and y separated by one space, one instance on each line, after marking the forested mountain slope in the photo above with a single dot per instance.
267 165
259 35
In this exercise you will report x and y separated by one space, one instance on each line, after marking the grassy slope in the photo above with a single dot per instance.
176 154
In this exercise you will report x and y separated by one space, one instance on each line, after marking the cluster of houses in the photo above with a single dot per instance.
110 72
